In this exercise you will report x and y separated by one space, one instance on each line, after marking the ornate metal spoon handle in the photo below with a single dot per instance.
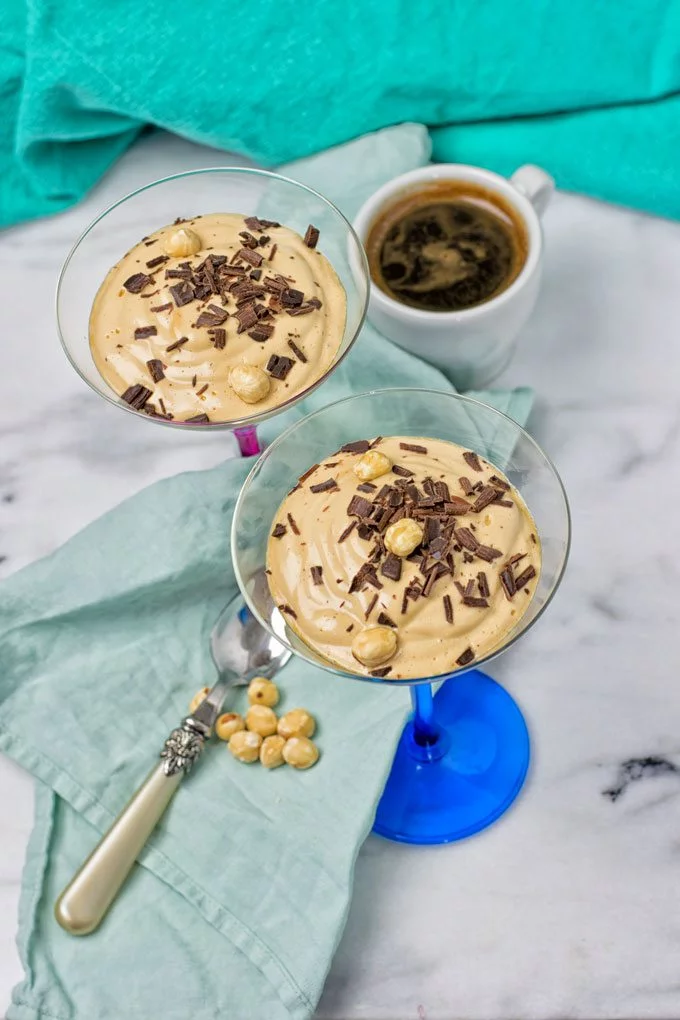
86 899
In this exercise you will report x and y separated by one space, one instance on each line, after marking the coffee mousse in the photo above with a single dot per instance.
217 318
403 558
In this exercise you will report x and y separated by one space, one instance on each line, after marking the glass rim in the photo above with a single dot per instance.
412 681
234 423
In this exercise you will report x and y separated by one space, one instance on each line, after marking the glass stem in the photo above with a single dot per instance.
248 443
424 729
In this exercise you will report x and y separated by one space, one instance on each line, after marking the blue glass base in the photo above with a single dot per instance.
468 777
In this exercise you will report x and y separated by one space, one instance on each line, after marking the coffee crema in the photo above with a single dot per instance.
447 246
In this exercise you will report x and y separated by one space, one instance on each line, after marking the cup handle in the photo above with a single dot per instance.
535 184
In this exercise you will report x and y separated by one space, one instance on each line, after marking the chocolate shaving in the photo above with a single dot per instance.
285 608
486 496
413 447
350 628
142 332
347 532
215 316
524 578
483 585
279 367
308 472
293 525
326 486
161 308
291 298
248 240
478 603
378 439
386 621
272 253
261 332
467 656
198 419
487 553
135 284
432 530
457 505
297 352
155 367
279 531
158 261
508 582
381 671
136 396
465 537
359 507
366 487
441 490
311 236
391 567
255 274
466 485
202 390
431 578
178 343
533 538
472 460
360 446
448 608
253 258
258 225
218 337
182 293
316 572
247 318
499 483
370 607
516 558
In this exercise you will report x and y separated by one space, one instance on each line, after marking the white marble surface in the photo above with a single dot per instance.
569 906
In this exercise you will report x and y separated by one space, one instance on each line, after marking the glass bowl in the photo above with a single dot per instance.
472 719
194 193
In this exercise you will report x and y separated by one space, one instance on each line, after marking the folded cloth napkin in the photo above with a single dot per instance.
590 90
243 891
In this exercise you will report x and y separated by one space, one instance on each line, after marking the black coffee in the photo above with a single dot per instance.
446 247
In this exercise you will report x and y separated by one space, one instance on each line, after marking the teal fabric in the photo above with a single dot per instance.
588 88
242 894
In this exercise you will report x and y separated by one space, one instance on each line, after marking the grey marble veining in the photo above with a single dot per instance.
569 906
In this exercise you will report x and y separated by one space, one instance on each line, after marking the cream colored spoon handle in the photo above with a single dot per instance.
86 899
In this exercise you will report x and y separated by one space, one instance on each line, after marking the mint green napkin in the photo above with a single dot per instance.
590 90
243 892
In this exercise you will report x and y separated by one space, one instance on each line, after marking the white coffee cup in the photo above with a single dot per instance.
473 345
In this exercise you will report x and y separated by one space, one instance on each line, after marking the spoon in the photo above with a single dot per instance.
241 649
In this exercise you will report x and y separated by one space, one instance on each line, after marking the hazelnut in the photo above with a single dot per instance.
271 752
372 465
402 537
183 242
374 645
260 719
249 383
296 723
198 697
245 745
263 692
300 752
229 724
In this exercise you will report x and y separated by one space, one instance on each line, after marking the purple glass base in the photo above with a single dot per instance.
248 443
